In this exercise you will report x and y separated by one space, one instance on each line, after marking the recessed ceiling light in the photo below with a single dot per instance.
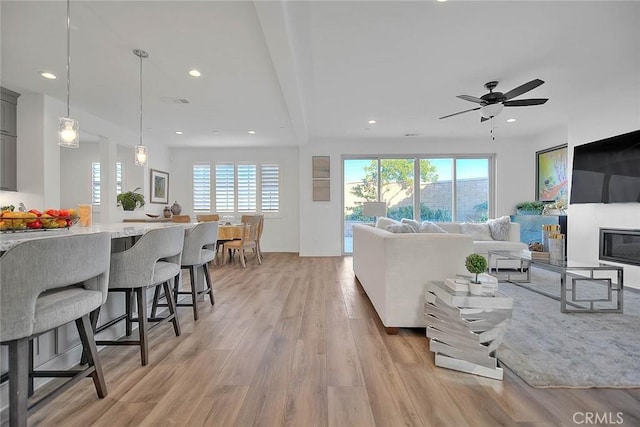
178 132
252 132
195 73
48 75
511 120
441 1
372 122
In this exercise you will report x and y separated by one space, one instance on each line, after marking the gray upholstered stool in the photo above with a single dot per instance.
152 261
44 284
199 249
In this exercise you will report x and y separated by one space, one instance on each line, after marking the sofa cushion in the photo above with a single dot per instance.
499 228
477 231
384 222
400 228
430 227
412 223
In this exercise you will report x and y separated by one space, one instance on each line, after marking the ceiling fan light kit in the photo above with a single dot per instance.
492 103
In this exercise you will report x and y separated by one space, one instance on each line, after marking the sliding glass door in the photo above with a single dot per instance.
449 188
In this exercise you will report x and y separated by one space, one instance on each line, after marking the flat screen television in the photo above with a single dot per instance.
607 171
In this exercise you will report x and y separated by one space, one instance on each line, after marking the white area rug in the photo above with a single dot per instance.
547 348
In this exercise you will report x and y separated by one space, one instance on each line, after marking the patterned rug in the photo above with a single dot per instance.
547 348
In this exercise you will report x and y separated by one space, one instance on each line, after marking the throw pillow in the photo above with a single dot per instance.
499 228
384 222
477 231
413 224
430 227
400 228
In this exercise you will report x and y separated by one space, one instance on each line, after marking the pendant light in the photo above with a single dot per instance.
68 129
141 152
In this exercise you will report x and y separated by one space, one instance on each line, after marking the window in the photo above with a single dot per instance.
118 178
202 187
225 187
95 183
247 187
270 188
247 184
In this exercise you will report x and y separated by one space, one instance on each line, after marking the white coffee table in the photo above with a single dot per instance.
465 330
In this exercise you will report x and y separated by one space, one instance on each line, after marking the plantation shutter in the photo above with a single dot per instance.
202 187
95 183
270 188
225 188
118 178
247 187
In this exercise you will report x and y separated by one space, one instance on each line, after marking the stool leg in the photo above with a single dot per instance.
142 325
93 317
31 367
18 382
88 342
172 309
194 291
128 310
156 298
207 278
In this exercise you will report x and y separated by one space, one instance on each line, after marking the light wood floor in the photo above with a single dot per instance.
296 342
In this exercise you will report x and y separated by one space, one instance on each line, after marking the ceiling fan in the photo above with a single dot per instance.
491 104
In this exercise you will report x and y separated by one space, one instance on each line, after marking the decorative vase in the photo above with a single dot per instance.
176 208
475 288
166 212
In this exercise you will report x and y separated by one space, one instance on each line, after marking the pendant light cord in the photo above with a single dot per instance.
68 55
140 99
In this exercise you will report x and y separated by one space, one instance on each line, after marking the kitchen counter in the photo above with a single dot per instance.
117 230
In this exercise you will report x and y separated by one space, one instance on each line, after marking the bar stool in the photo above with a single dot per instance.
195 255
44 284
151 262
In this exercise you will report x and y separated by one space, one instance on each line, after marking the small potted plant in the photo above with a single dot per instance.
475 264
130 200
529 208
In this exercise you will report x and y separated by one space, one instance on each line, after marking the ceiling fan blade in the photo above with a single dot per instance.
472 99
459 112
523 88
525 102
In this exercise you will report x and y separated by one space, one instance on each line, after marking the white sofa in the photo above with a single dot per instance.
483 247
393 268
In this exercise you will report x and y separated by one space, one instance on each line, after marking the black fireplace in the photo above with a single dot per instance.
620 245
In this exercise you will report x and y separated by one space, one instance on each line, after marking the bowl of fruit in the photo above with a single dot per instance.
51 219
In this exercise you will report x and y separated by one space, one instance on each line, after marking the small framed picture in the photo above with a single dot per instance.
321 190
321 167
159 187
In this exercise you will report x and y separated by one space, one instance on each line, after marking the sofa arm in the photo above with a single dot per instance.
514 232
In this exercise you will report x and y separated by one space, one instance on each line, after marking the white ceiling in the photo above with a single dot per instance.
306 72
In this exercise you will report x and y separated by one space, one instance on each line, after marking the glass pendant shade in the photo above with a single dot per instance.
68 132
491 110
141 155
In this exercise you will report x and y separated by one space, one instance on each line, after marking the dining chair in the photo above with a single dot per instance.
181 218
195 255
260 229
207 217
44 284
247 240
152 261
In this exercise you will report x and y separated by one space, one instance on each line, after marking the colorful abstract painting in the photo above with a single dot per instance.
551 174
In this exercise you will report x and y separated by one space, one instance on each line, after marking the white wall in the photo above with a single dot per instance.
280 231
515 168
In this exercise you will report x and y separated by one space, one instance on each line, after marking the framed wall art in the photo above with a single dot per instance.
159 187
551 174
321 166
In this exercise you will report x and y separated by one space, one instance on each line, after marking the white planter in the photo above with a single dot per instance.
475 288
